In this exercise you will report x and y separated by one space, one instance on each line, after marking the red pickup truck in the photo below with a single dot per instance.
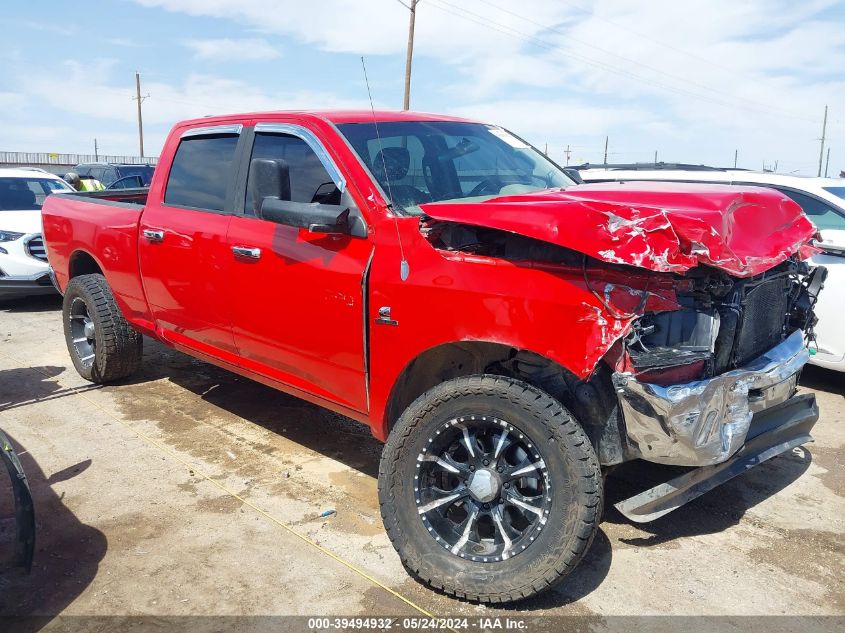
509 334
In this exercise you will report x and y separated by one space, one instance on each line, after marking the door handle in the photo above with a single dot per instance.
246 251
153 235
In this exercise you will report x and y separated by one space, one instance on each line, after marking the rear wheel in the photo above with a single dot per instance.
102 344
489 489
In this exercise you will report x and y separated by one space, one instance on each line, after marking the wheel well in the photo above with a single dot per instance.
592 401
81 263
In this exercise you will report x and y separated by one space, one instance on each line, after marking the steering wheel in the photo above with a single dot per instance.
491 184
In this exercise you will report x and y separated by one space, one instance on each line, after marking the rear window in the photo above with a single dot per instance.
27 194
201 171
144 171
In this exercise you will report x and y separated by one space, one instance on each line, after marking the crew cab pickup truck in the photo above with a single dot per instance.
509 334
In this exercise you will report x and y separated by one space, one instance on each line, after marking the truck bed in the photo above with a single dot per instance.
103 226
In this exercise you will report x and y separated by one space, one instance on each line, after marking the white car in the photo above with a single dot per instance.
23 258
823 200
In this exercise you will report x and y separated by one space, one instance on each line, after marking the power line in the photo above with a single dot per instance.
636 62
510 31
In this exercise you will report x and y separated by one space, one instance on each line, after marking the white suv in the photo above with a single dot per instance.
23 257
822 199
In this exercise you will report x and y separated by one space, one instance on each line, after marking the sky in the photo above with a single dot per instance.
692 80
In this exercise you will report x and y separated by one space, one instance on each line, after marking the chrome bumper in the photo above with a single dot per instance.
705 422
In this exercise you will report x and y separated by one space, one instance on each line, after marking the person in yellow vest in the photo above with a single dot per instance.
83 184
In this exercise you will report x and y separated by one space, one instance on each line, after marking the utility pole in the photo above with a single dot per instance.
568 152
655 157
546 150
140 100
827 162
824 130
736 155
606 139
410 54
96 154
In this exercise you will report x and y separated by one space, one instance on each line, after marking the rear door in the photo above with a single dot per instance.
302 318
184 258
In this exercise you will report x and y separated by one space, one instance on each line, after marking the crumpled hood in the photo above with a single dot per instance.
664 227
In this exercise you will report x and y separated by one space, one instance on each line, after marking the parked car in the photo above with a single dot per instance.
507 333
23 258
822 199
117 175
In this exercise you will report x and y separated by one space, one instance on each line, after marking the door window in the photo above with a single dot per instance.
309 180
201 171
820 213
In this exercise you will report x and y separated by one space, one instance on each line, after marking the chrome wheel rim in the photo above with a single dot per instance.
82 332
482 489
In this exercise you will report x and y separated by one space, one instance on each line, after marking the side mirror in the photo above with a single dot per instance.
316 217
270 179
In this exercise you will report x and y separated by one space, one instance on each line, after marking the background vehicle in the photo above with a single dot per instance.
111 174
23 257
508 333
822 199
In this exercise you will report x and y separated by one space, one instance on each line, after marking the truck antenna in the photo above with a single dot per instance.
404 269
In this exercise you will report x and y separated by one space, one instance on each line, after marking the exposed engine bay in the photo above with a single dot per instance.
724 323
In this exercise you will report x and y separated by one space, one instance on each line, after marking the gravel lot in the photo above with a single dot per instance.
187 490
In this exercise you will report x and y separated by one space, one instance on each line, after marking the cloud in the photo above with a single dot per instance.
102 107
226 49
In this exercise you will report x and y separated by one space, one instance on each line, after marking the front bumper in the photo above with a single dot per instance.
705 422
40 284
774 431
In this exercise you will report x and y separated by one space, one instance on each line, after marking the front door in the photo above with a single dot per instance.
184 257
301 320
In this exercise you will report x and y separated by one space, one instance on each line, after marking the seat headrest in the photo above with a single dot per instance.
395 160
20 198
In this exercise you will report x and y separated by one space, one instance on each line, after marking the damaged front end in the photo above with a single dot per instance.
701 310
689 381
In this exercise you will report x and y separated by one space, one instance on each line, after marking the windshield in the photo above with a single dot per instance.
27 194
419 162
144 171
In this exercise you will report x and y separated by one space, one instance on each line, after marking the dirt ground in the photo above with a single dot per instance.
188 490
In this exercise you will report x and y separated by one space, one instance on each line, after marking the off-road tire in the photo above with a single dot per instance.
575 484
117 347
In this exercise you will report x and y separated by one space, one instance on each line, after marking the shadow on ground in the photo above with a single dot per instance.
714 511
315 428
823 379
67 553
43 303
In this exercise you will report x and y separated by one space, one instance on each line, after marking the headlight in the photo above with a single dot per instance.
9 236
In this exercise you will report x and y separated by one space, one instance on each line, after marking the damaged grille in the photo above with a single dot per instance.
763 319
722 326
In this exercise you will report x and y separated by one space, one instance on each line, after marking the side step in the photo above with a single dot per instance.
773 431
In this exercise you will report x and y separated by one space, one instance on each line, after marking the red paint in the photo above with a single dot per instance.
295 319
664 227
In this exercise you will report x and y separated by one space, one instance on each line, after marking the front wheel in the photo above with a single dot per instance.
489 489
102 344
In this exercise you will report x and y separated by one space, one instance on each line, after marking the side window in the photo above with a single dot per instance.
109 176
97 173
819 212
309 180
200 172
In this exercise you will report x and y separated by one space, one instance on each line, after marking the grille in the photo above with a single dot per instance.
763 317
35 248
